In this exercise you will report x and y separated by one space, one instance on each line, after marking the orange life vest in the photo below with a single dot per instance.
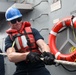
24 39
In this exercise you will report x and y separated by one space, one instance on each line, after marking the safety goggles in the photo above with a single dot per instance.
15 20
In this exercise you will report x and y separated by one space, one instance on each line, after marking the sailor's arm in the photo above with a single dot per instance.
14 56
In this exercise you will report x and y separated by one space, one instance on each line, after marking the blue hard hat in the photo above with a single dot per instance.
12 13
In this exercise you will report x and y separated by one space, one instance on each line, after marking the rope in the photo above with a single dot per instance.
13 43
6 53
3 53
57 61
63 62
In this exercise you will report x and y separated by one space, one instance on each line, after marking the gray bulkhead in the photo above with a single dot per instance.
43 18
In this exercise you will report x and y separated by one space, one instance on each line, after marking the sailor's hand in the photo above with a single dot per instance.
48 58
33 57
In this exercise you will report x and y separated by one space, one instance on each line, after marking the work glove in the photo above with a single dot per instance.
48 58
33 57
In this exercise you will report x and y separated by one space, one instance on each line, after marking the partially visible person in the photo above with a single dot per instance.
2 66
24 46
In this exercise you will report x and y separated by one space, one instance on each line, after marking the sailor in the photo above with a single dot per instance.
2 66
22 46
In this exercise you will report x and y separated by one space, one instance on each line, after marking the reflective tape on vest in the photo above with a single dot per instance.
22 42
